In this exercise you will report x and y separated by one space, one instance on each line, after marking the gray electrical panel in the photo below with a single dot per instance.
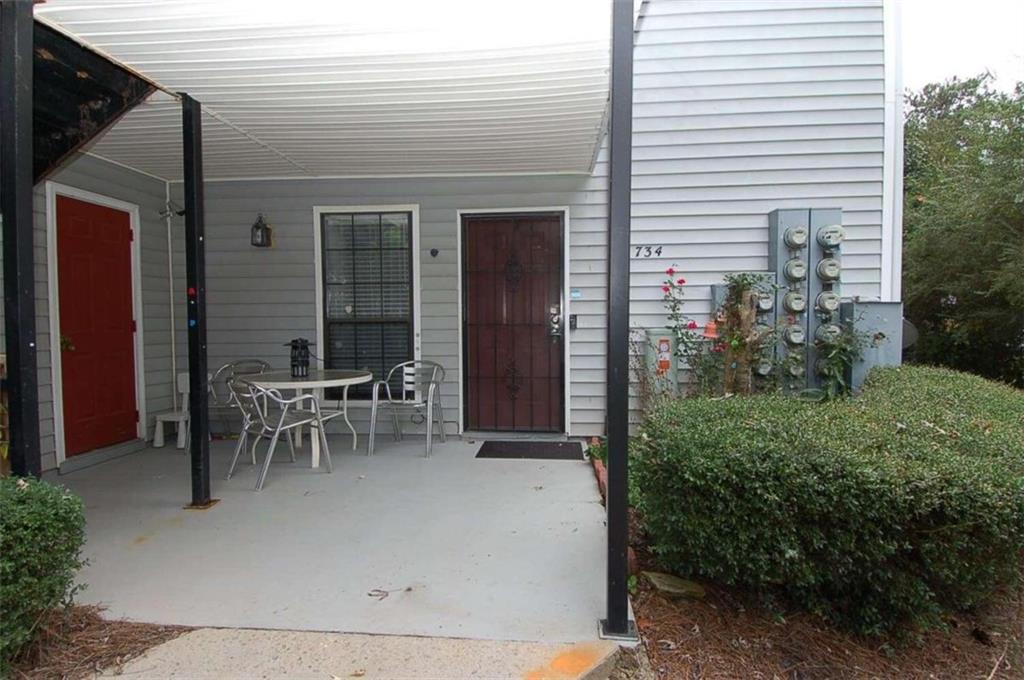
823 284
788 244
883 322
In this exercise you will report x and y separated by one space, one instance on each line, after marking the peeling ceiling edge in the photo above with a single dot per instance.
163 88
49 23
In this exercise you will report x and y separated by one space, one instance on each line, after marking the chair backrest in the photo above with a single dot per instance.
183 383
411 378
249 399
220 388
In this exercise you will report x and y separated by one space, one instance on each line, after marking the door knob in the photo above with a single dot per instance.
555 328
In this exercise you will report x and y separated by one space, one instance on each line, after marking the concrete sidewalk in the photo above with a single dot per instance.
223 654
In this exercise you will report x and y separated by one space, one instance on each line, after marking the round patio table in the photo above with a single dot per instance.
318 379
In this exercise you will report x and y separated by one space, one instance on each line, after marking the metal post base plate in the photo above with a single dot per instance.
629 637
203 506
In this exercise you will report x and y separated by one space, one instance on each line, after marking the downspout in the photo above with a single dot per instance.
168 213
892 156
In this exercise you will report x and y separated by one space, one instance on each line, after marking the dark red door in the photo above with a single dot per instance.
513 327
94 274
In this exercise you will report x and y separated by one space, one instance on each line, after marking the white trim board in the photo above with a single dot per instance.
417 293
892 163
54 189
566 300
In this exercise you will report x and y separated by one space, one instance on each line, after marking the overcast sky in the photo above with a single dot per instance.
944 38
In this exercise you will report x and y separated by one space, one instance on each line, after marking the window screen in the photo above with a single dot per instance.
367 293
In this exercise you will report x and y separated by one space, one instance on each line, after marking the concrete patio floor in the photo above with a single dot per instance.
449 546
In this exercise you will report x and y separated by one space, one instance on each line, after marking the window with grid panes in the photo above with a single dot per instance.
367 268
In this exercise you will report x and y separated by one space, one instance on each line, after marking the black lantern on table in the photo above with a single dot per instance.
300 357
261 233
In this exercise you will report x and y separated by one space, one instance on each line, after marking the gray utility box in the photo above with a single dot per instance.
788 241
883 322
823 283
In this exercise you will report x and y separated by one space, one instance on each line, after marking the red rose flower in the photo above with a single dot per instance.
666 289
670 271
692 325
681 282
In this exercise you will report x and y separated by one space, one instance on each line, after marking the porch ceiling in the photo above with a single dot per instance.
329 88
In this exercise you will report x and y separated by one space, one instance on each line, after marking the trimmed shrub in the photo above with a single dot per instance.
42 529
884 511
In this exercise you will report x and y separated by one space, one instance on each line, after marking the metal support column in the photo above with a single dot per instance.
16 209
617 623
195 291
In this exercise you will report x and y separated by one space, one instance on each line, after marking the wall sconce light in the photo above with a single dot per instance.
261 233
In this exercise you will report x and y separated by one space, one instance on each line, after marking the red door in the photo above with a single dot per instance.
513 326
94 274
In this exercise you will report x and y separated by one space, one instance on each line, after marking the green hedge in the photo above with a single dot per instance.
879 512
42 529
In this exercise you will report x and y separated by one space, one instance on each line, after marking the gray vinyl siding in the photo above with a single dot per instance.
92 174
258 299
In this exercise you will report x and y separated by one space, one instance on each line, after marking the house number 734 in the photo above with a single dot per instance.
646 251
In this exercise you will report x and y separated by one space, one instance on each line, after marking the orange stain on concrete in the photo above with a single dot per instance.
568 664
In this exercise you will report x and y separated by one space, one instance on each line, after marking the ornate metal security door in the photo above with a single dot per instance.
513 330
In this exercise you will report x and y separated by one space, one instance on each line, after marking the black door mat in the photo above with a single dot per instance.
531 450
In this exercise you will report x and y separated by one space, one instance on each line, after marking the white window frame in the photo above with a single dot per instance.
318 212
53 190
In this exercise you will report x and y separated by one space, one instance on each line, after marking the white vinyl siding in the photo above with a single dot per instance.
742 107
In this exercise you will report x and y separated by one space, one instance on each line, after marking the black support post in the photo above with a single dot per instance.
617 623
16 209
195 291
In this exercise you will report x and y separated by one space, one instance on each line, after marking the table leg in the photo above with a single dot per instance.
298 430
314 442
344 414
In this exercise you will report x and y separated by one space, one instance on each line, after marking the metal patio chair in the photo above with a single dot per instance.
222 399
266 415
419 390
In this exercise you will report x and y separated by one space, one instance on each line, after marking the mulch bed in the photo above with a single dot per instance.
729 635
78 642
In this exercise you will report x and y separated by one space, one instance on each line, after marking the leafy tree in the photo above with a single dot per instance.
963 227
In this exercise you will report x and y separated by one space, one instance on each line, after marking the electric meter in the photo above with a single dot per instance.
765 302
831 236
827 333
795 237
764 367
796 370
827 301
762 330
828 269
795 269
794 334
794 301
